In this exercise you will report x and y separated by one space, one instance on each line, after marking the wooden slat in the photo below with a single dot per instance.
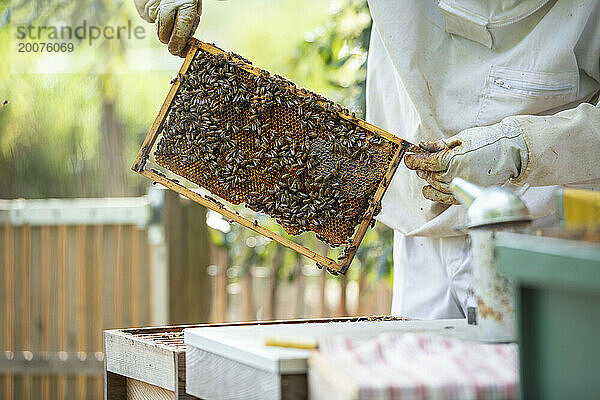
158 284
81 303
91 383
96 289
46 304
117 276
108 275
135 277
3 301
62 301
146 294
98 283
9 303
35 289
53 327
26 294
125 276
72 385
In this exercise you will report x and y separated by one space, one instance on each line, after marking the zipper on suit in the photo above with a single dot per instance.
533 88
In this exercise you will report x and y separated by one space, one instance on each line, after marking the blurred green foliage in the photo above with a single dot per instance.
338 49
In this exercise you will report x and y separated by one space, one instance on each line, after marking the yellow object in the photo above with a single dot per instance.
293 342
581 208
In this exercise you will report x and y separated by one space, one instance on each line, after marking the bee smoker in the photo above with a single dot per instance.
491 210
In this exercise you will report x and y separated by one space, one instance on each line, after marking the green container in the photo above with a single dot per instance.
558 312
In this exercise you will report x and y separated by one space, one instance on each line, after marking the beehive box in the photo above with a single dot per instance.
149 363
556 273
234 363
145 363
256 139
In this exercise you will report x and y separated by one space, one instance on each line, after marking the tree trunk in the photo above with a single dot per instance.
190 289
342 308
248 296
300 286
112 167
277 261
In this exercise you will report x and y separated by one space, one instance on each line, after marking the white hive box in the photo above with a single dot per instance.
233 362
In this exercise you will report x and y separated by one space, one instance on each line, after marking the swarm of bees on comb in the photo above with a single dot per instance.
257 139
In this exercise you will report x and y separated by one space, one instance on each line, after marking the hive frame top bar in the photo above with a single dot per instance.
139 165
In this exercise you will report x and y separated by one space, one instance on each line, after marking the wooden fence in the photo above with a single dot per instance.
72 268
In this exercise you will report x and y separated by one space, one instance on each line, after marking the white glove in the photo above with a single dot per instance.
176 20
489 155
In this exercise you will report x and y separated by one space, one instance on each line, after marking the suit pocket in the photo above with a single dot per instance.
511 92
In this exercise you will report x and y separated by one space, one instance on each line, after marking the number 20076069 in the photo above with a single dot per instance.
45 47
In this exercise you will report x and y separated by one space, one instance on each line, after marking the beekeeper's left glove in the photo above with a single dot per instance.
176 20
489 155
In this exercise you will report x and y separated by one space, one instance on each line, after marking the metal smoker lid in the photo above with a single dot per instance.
488 206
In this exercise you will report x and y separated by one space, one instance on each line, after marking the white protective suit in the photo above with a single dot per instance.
435 69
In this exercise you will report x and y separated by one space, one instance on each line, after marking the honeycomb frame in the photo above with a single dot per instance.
401 147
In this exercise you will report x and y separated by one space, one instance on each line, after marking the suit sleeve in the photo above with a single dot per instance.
564 148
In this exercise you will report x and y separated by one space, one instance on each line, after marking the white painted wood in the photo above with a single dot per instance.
221 378
245 344
116 210
147 362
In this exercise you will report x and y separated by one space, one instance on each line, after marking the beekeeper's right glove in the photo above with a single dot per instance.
487 155
176 20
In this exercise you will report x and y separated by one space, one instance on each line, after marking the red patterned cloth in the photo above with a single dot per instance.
425 366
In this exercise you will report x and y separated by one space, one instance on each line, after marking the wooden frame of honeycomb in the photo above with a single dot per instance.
399 148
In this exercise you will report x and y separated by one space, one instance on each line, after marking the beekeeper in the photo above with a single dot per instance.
502 91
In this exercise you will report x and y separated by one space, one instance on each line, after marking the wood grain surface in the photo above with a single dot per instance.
138 390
